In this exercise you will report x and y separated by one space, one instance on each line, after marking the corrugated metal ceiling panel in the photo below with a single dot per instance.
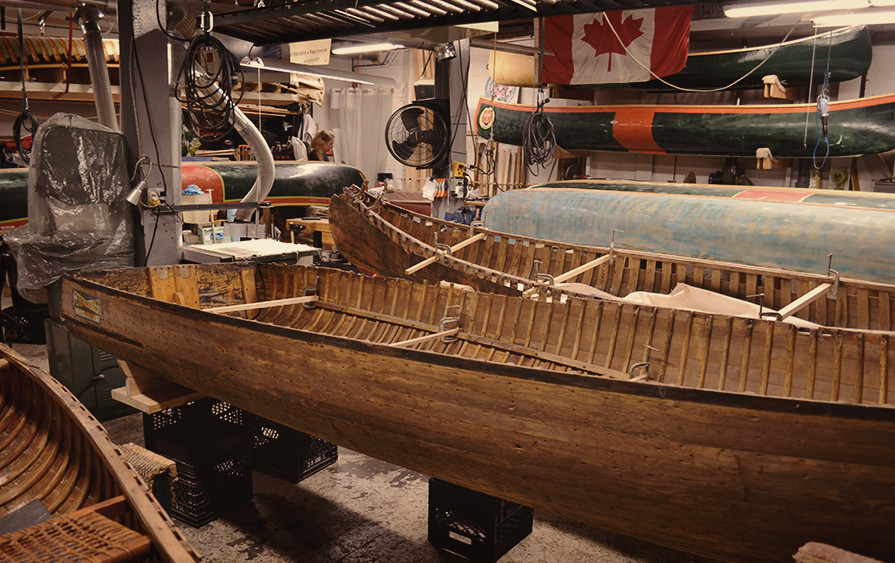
302 20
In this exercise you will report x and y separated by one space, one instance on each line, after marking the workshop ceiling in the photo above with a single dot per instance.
284 22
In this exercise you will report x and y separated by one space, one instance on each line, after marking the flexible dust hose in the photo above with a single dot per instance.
260 149
99 72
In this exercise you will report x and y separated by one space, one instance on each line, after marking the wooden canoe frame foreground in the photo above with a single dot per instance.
55 453
737 439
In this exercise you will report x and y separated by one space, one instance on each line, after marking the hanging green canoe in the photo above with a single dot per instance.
856 127
845 52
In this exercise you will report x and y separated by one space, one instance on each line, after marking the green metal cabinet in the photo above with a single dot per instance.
88 372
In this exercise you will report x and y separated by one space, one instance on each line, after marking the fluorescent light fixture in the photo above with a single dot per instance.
366 48
775 8
860 17
283 66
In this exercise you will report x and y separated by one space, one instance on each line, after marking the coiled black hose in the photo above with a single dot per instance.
209 114
538 140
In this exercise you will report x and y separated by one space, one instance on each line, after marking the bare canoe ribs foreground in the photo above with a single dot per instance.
56 454
739 439
380 238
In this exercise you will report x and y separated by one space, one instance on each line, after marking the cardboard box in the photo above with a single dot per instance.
197 216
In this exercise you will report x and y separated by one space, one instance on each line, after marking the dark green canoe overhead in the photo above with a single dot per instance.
856 127
792 236
846 53
794 62
840 198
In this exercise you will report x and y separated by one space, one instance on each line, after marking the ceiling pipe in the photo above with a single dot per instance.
88 17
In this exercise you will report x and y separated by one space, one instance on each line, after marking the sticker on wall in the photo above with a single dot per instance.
501 92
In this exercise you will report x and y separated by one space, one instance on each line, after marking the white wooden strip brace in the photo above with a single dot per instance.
572 273
262 304
431 260
805 300
425 338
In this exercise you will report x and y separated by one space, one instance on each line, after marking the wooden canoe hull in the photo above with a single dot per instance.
788 236
850 52
296 183
723 474
856 127
383 239
55 452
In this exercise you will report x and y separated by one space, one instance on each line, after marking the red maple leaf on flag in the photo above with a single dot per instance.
602 39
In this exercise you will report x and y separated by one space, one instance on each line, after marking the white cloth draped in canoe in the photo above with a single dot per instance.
690 298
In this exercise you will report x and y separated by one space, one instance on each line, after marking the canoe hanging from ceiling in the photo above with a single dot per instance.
856 127
839 198
296 183
789 236
849 51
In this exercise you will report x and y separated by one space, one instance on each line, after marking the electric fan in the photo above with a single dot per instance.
418 134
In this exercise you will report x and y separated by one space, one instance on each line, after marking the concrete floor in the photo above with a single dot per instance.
361 509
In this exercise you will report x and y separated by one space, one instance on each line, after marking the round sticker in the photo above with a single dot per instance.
486 118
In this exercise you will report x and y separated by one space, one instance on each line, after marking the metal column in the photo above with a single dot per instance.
451 77
151 123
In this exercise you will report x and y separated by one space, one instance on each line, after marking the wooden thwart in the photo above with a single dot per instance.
425 338
431 260
805 300
573 272
262 304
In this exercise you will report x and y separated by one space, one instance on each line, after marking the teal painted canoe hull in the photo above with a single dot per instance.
789 236
856 127
838 198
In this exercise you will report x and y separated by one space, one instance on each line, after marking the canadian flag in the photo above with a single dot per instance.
611 46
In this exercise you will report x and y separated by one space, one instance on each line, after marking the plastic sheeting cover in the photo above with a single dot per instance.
78 218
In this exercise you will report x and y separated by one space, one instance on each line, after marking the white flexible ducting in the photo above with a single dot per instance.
99 72
260 149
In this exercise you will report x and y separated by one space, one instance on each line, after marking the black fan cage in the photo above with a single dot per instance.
417 135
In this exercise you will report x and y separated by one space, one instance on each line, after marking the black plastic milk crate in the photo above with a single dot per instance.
287 453
205 431
201 493
475 525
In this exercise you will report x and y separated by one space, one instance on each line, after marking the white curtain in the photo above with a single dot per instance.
361 115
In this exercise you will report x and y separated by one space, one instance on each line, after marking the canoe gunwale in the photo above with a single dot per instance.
637 387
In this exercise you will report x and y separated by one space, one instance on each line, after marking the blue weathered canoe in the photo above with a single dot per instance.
789 236
839 198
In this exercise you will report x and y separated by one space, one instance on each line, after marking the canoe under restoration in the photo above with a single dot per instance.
54 455
856 127
789 236
736 439
380 238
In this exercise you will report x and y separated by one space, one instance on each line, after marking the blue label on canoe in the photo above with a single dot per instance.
87 306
